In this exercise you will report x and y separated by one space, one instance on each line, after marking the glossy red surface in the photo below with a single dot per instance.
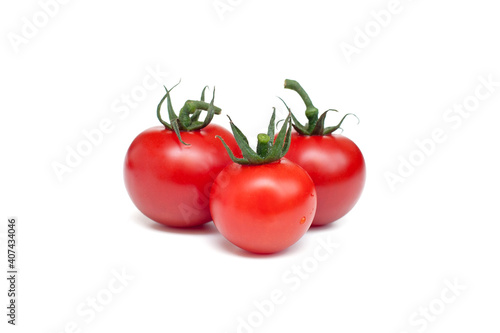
337 168
265 208
169 182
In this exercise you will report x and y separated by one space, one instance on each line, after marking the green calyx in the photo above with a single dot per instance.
268 149
188 115
315 124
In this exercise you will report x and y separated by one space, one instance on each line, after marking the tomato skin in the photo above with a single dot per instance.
337 168
170 182
264 208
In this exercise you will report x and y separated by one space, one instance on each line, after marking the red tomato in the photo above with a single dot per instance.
336 167
263 208
170 182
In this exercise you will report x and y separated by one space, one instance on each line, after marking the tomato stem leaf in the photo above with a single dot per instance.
332 129
230 153
188 114
268 150
315 124
197 113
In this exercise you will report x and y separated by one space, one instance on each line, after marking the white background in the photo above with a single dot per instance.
397 248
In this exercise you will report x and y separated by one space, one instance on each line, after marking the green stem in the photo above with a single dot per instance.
311 110
263 144
158 113
190 108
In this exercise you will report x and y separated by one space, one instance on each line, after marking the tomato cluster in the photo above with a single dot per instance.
181 175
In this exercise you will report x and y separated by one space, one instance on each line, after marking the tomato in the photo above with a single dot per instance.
263 209
168 179
170 182
263 202
337 168
335 163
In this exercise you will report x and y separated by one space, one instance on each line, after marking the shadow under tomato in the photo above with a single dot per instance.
204 229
